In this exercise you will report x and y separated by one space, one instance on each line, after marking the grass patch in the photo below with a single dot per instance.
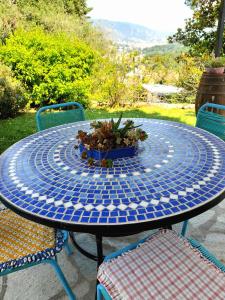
13 130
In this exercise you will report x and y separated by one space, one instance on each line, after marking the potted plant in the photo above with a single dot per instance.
110 140
215 65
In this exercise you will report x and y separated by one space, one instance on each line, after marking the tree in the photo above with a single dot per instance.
79 7
199 33
51 15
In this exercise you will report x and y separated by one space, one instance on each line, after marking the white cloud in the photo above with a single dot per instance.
164 15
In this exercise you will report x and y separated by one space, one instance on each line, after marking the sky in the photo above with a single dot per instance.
162 15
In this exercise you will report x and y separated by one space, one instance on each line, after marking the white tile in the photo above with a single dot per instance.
123 175
73 172
96 175
50 200
25 188
136 173
165 199
35 195
190 190
111 207
154 202
133 205
109 176
100 207
68 204
66 168
78 206
28 192
122 206
88 207
158 166
84 174
144 203
201 182
182 193
196 186
58 202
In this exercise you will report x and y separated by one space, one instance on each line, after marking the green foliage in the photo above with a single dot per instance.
76 7
53 67
73 7
163 49
108 86
199 33
215 62
161 69
105 80
181 70
59 15
115 81
11 99
190 71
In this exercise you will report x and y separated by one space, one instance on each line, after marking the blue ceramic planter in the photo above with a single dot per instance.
111 154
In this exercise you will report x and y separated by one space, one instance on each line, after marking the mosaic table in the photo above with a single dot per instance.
178 172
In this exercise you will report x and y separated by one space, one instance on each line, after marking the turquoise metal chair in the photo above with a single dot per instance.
209 119
24 244
164 265
59 114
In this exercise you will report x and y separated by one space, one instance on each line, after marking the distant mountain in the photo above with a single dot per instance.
132 34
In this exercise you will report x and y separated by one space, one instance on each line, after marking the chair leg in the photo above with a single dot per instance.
68 248
62 279
102 293
184 228
99 294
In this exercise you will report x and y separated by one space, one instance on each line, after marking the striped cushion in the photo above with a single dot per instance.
23 241
164 267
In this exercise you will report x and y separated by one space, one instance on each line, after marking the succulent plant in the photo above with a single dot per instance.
109 135
84 155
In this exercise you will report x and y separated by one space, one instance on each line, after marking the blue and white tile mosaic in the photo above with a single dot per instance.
176 169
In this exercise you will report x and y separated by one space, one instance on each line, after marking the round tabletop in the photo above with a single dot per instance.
178 172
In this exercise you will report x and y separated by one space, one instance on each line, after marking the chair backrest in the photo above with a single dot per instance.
58 114
209 120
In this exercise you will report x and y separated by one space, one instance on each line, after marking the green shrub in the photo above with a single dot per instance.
11 94
53 67
182 97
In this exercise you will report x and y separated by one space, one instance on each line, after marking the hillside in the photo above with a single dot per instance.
132 34
162 49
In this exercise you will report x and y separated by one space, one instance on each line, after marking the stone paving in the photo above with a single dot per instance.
40 282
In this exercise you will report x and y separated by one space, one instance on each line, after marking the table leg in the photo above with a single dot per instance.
79 248
168 227
100 256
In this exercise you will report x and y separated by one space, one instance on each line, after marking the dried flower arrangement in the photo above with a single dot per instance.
109 136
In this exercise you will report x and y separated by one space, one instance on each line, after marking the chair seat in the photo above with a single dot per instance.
23 241
165 266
